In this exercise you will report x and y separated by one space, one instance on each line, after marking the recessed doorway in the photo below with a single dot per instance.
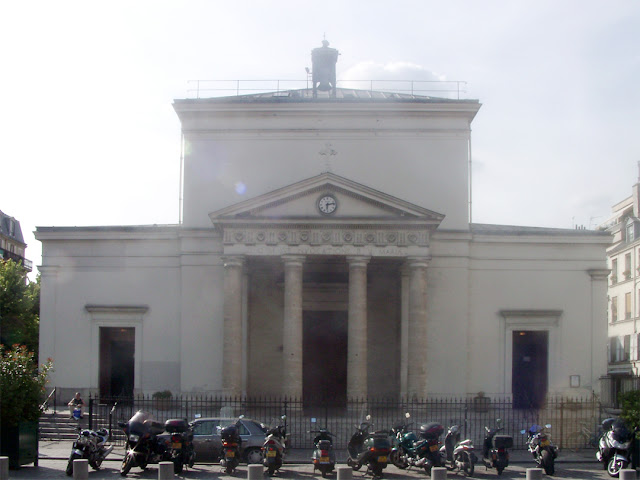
325 358
117 353
529 382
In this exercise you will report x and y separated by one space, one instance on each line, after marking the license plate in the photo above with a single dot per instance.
433 448
324 459
271 453
544 443
382 459
230 454
176 446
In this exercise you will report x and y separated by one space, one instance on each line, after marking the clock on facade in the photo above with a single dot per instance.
327 204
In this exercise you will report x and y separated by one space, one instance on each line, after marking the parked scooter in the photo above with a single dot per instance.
539 444
458 454
323 457
495 448
370 449
274 447
231 442
148 443
413 451
90 445
614 447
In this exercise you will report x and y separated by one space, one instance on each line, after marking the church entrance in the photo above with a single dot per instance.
324 358
117 348
530 364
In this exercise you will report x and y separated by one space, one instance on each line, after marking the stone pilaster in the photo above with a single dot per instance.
357 330
417 364
232 346
292 326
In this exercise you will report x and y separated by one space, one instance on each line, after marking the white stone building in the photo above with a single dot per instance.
325 250
624 290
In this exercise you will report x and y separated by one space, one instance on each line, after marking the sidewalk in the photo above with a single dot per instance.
60 450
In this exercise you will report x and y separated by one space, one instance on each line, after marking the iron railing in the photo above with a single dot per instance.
568 417
217 88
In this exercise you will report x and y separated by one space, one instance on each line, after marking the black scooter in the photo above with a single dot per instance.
495 448
323 457
371 449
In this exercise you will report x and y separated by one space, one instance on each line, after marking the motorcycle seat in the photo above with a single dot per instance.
155 428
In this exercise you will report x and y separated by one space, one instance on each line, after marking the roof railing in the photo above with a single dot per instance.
223 88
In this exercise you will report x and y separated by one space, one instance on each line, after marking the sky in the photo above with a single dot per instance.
88 135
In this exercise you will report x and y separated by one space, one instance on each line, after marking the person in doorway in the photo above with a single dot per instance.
76 402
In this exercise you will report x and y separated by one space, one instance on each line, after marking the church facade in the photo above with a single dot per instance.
325 251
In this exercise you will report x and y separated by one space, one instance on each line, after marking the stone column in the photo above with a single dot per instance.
292 327
357 330
417 365
232 346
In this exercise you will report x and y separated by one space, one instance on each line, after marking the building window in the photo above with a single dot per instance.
630 232
614 270
627 266
614 309
627 305
619 349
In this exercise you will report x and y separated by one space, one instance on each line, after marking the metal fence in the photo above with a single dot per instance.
574 421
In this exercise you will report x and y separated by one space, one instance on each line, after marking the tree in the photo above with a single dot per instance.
21 385
19 307
630 403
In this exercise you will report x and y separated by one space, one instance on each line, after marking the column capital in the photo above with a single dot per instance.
358 260
291 259
599 273
233 260
413 262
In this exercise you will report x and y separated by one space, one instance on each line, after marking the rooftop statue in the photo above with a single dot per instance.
323 64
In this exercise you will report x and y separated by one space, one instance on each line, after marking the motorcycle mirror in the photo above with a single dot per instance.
407 415
368 417
548 425
197 415
498 421
241 417
283 417
523 432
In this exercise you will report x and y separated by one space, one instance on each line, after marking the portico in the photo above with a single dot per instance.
391 234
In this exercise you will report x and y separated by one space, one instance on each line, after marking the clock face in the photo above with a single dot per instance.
327 204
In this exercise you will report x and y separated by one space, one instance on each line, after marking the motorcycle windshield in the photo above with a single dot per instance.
137 423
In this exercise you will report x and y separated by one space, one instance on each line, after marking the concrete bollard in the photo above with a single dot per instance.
438 473
4 468
628 474
165 470
254 472
534 473
345 473
80 469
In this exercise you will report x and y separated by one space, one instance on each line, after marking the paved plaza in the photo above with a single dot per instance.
53 455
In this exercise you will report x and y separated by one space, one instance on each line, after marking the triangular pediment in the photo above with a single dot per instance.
301 203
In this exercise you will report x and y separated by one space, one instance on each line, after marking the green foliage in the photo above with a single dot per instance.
21 384
162 394
630 403
19 306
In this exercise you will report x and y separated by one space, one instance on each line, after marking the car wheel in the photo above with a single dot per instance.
253 456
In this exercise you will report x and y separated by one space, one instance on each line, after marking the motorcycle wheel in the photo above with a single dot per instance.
127 463
614 466
546 459
377 470
271 470
468 466
95 464
499 469
178 466
69 470
398 460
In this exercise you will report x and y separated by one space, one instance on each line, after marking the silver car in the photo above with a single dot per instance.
208 445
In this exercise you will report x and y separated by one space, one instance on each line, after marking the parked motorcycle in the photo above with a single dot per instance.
614 447
231 442
90 445
413 451
323 457
495 448
458 454
274 447
543 451
371 449
148 443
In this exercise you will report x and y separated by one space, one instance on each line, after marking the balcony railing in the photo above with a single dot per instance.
452 89
7 255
